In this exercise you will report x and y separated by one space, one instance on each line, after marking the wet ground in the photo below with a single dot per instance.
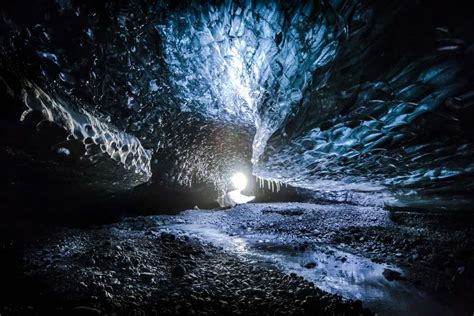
279 258
358 252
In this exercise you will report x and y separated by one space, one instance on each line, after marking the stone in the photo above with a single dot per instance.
178 271
147 276
310 265
167 237
392 275
108 295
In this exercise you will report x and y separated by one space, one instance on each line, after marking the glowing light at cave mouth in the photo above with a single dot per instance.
239 180
238 198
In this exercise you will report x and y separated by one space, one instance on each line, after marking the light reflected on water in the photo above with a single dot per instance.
333 271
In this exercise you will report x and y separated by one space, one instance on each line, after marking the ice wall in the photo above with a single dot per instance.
394 110
334 95
83 126
247 62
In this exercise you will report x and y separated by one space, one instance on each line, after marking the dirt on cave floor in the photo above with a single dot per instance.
268 258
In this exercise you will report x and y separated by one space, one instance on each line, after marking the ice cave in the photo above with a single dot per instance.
236 157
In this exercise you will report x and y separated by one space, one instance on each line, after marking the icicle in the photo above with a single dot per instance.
273 185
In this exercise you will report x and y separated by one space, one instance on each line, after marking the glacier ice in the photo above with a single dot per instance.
329 95
82 125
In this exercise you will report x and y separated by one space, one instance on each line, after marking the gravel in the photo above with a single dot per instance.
130 268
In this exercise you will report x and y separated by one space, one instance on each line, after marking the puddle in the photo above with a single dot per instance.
332 270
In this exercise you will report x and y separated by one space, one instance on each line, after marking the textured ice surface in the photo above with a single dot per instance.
248 62
82 125
334 95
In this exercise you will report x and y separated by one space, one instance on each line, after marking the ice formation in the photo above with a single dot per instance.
82 125
329 95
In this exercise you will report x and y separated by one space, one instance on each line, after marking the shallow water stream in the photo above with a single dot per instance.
330 269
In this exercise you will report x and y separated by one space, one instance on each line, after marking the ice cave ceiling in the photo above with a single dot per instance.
328 95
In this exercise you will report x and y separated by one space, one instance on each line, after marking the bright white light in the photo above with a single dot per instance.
239 198
239 180
234 197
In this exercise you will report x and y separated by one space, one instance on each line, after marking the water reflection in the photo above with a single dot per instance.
332 270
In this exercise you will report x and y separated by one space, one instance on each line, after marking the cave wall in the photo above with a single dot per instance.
118 97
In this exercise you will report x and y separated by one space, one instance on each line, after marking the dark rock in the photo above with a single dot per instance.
303 247
254 292
167 237
392 275
147 276
178 271
302 293
310 265
414 257
108 294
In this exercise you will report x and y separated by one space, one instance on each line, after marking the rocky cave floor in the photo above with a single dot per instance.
278 258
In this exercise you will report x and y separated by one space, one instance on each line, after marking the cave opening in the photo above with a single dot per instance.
236 157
